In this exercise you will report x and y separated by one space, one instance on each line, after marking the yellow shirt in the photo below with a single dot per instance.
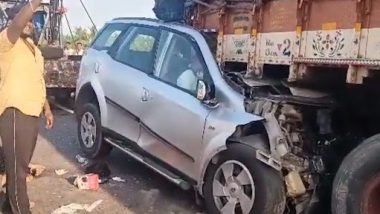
22 84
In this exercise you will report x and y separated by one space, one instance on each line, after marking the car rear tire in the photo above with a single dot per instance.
239 183
356 188
90 132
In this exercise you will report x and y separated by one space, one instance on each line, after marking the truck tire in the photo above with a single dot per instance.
356 188
258 188
90 132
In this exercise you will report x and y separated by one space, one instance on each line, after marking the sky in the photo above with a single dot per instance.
102 11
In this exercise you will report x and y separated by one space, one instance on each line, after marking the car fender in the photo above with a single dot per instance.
99 93
101 99
220 125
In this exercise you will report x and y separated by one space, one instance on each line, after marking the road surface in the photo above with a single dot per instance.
143 192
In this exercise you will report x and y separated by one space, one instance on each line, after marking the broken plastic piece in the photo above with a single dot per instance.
74 207
87 182
118 179
36 170
29 178
61 171
82 160
31 204
294 184
100 169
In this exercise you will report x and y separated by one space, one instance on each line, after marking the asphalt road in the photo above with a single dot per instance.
143 192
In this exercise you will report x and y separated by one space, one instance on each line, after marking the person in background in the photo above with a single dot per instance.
67 50
79 49
22 101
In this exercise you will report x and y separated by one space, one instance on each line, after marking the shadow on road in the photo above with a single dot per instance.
143 192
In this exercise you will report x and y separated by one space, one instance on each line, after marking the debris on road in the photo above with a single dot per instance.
81 160
31 204
93 205
99 168
29 178
74 207
36 170
87 182
61 172
103 180
118 179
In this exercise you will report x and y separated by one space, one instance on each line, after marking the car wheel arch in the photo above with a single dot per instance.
257 134
86 94
91 92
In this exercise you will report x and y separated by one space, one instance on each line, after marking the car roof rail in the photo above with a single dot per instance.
136 18
179 22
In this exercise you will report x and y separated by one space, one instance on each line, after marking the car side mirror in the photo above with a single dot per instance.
201 90
205 94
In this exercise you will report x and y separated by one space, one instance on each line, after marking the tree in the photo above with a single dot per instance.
80 34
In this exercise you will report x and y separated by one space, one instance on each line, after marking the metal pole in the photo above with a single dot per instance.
88 14
71 32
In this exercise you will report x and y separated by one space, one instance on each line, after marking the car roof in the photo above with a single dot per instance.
155 22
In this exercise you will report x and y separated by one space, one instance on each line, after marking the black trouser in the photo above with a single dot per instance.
18 134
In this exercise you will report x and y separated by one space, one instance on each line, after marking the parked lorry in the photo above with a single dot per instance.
61 75
311 69
61 71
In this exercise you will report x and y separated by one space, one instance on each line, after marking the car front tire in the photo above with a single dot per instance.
90 132
239 183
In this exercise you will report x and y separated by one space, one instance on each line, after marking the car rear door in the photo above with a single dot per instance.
173 118
123 76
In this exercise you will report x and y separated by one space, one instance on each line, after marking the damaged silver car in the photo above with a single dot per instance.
154 90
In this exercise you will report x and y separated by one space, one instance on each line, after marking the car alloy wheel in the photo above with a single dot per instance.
88 130
233 188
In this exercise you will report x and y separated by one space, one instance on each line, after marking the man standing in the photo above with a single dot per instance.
79 49
22 99
67 50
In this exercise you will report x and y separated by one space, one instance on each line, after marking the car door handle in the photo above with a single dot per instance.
145 95
97 67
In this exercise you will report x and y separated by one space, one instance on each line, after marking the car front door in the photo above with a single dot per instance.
173 118
123 78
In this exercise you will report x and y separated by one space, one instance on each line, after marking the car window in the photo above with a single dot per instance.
138 50
108 36
180 64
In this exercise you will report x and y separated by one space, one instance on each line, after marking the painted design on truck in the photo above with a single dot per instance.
328 44
280 47
241 23
276 48
236 48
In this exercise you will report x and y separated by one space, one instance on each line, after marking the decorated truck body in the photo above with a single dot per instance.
298 34
61 76
311 69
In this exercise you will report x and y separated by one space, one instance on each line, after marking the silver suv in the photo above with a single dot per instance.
153 90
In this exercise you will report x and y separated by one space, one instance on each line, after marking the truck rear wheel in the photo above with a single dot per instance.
356 188
240 184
